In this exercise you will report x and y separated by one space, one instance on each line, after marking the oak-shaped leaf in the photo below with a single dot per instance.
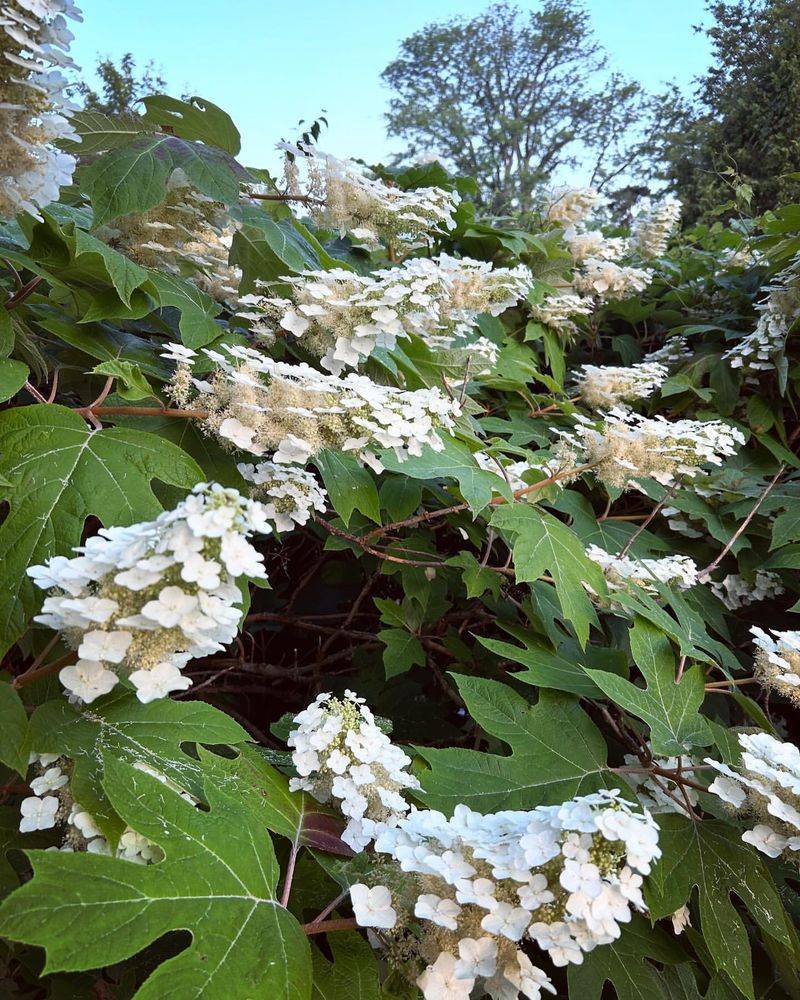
542 544
353 974
711 857
61 471
217 880
454 461
133 177
556 752
265 790
119 725
669 708
624 963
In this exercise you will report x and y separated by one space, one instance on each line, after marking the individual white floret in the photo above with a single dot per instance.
373 906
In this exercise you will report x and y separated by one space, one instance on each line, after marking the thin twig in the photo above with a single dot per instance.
742 527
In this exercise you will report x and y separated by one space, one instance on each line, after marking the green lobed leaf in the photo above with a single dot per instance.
218 881
353 974
133 178
710 856
13 730
60 472
122 726
350 486
670 709
556 752
542 544
455 461
195 118
403 651
624 963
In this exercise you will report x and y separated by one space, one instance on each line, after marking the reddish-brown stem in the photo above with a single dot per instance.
145 411
32 674
325 926
19 296
287 882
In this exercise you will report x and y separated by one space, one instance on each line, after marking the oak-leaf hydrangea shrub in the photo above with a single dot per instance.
393 594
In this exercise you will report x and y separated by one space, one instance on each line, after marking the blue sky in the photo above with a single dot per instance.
269 64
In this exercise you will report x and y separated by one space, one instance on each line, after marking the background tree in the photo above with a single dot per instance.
121 86
514 98
745 125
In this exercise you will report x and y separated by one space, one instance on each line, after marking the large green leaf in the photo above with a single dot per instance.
556 752
670 709
350 486
353 975
61 472
455 461
542 544
294 815
195 118
218 881
267 249
623 963
122 726
545 668
133 177
13 729
710 856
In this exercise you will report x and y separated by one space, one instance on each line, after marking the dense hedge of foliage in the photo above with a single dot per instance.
330 446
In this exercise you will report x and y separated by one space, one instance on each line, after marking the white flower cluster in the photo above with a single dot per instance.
653 226
343 197
658 793
605 279
564 876
610 385
260 405
625 445
559 312
287 493
767 786
341 754
778 314
676 349
145 599
34 109
570 205
735 591
777 662
342 317
187 233
586 243
52 805
674 570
